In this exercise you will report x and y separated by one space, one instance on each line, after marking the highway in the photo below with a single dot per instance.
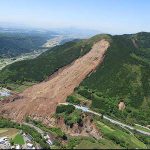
122 125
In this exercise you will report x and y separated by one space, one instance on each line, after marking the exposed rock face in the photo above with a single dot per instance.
88 128
148 126
121 106
41 99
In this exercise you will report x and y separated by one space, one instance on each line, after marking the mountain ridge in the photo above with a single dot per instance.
123 76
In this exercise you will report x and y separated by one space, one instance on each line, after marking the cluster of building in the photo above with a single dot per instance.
25 146
5 143
53 42
28 142
4 92
48 139
16 146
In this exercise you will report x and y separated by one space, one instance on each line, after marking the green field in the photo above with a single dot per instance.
85 144
101 144
12 133
18 139
119 137
90 143
17 87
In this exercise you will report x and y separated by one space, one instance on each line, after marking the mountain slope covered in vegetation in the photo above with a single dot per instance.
124 76
46 64
13 44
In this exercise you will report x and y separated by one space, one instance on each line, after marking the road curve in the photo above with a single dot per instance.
36 128
86 109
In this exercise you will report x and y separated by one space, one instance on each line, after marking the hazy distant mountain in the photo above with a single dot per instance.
14 42
79 32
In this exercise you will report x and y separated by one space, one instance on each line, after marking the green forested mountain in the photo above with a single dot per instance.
13 44
47 63
123 76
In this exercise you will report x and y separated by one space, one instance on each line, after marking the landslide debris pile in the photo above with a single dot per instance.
41 99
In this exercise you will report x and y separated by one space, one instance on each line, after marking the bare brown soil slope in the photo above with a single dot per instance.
41 100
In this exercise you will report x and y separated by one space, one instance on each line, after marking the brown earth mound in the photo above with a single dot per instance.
41 99
87 128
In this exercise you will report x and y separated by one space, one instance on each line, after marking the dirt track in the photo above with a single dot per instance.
41 100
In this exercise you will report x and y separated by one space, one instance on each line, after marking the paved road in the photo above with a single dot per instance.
49 141
142 126
86 109
36 128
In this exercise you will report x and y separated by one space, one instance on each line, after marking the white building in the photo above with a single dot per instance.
29 145
4 143
18 146
48 139
4 140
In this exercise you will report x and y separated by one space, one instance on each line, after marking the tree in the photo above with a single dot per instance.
65 109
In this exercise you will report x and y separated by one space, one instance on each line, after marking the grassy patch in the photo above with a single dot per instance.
107 144
85 144
18 139
105 127
79 99
119 137
90 143
17 87
101 144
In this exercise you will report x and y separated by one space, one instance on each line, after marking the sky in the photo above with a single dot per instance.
107 16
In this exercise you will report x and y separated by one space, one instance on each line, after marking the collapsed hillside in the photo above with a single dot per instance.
41 100
40 68
123 76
